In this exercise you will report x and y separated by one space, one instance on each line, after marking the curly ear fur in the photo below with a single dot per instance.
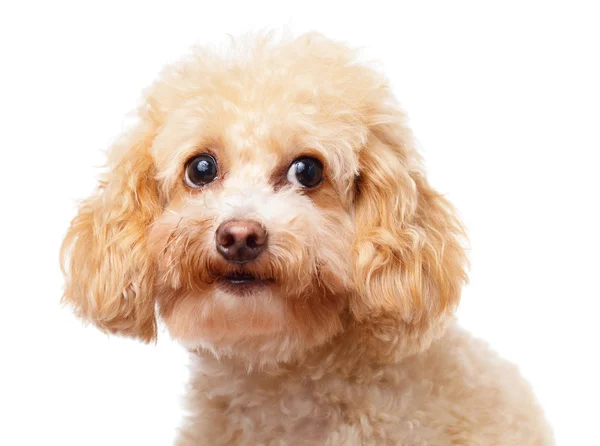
109 275
409 259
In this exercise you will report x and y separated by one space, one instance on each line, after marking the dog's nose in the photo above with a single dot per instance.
241 241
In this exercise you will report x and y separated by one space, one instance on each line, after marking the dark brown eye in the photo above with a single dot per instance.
306 172
200 170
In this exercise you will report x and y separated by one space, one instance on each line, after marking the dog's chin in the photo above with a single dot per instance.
232 308
250 315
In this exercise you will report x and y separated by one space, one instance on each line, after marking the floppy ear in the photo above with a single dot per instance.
409 262
109 274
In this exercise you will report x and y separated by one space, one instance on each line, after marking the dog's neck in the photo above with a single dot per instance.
369 344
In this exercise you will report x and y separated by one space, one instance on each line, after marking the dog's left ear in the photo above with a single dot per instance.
409 261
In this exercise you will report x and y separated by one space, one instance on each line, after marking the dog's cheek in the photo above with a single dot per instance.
335 261
179 244
333 240
312 234
162 247
159 234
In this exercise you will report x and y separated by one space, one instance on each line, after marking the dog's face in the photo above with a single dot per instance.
261 206
253 244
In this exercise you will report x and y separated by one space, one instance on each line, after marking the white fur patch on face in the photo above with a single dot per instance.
247 195
273 209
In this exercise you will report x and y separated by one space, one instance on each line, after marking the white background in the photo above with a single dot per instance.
503 96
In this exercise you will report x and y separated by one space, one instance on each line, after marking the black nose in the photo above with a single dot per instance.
241 241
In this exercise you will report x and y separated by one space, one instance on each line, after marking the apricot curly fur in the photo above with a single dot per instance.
350 339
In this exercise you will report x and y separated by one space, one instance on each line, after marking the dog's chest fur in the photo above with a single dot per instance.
301 409
435 397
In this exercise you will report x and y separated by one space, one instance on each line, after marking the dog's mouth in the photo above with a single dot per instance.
241 278
243 282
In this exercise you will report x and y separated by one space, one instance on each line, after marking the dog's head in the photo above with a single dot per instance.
261 205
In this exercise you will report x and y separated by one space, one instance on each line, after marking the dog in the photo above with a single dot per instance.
270 208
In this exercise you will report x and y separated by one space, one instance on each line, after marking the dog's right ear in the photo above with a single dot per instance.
109 273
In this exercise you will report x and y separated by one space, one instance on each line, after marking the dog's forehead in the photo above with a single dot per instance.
250 136
264 133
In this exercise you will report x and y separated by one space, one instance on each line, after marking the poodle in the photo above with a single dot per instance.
270 208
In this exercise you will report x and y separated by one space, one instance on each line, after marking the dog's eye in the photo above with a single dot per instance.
200 170
306 172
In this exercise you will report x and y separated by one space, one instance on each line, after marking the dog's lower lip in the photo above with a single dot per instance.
243 284
239 279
